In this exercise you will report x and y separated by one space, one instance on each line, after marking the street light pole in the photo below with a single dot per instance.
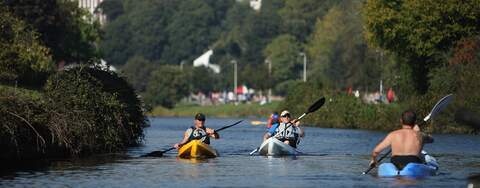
269 96
304 66
235 79
181 65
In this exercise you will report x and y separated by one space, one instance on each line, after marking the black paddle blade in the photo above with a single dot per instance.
153 154
315 106
157 153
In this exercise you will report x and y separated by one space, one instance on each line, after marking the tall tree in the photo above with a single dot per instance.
63 27
22 57
421 31
299 16
339 54
190 32
166 86
283 53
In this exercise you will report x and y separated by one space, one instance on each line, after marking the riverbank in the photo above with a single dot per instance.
222 110
339 111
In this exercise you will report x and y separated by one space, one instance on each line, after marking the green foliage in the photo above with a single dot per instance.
111 8
299 16
63 27
283 52
93 111
22 57
436 26
300 96
202 79
23 134
255 76
137 72
340 111
162 31
284 88
166 86
339 54
420 31
189 36
462 81
82 111
224 110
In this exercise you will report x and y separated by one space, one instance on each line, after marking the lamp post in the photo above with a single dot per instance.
235 78
304 66
181 65
267 61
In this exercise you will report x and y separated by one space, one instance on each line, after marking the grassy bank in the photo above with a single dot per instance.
223 110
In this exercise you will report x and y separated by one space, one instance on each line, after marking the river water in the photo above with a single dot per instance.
332 158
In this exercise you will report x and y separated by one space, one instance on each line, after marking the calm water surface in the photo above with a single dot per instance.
332 158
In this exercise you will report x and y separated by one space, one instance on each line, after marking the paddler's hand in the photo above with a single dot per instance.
177 145
373 163
416 128
295 122
210 131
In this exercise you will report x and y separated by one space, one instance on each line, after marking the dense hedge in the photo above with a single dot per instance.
81 111
346 111
23 133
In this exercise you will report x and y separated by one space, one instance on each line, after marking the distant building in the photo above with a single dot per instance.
91 6
204 60
256 4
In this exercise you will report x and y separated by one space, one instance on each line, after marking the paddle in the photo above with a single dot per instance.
314 107
441 104
160 153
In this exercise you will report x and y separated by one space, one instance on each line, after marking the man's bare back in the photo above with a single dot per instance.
405 142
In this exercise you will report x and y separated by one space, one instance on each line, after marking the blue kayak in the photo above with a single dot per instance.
414 170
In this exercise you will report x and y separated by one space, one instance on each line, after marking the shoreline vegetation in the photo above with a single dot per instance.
77 113
340 111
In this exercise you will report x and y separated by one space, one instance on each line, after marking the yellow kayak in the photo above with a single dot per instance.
196 149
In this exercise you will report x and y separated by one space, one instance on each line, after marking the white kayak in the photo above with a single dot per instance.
274 147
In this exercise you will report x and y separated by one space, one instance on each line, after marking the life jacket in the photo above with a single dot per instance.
272 120
290 133
194 133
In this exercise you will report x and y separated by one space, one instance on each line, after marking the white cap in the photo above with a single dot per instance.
284 113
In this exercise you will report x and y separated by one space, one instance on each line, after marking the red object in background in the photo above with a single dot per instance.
272 120
390 95
241 90
349 91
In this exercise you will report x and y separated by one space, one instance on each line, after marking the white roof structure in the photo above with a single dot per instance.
204 60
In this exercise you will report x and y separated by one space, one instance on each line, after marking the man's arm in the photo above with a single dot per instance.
300 130
212 133
380 147
184 140
426 138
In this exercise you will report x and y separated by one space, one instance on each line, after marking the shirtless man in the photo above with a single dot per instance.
406 143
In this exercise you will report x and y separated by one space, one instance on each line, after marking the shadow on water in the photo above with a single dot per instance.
474 180
11 170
